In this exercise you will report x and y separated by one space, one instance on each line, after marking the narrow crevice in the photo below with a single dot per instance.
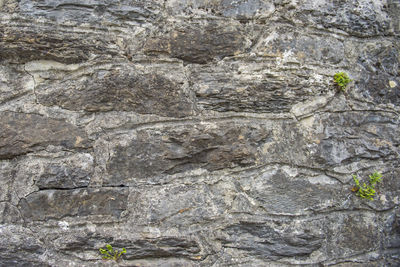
34 84
41 189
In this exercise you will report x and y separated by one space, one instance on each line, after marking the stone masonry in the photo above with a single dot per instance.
198 132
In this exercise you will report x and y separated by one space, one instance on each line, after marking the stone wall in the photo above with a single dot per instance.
198 132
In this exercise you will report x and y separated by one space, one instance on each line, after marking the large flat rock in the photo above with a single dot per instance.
57 204
23 133
151 153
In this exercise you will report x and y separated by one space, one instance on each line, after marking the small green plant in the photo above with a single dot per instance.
341 79
367 190
110 253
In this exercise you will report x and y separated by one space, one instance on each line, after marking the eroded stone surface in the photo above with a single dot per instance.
359 18
185 148
198 132
39 41
137 249
90 11
200 43
56 204
119 88
14 83
29 246
242 10
69 172
303 49
346 243
381 64
282 198
23 133
263 240
370 136
249 87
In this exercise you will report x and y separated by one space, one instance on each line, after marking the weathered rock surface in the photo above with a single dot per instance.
23 133
252 87
63 173
14 83
270 243
57 204
150 153
119 88
198 132
201 43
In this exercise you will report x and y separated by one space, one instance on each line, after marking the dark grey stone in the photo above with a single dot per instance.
120 90
200 44
262 240
89 11
39 206
56 176
185 148
227 89
160 248
350 136
380 65
36 41
23 133
357 18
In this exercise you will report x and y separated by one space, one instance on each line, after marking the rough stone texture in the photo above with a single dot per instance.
119 88
151 153
23 133
56 204
201 43
198 132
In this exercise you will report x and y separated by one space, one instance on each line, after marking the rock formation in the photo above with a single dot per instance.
198 132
